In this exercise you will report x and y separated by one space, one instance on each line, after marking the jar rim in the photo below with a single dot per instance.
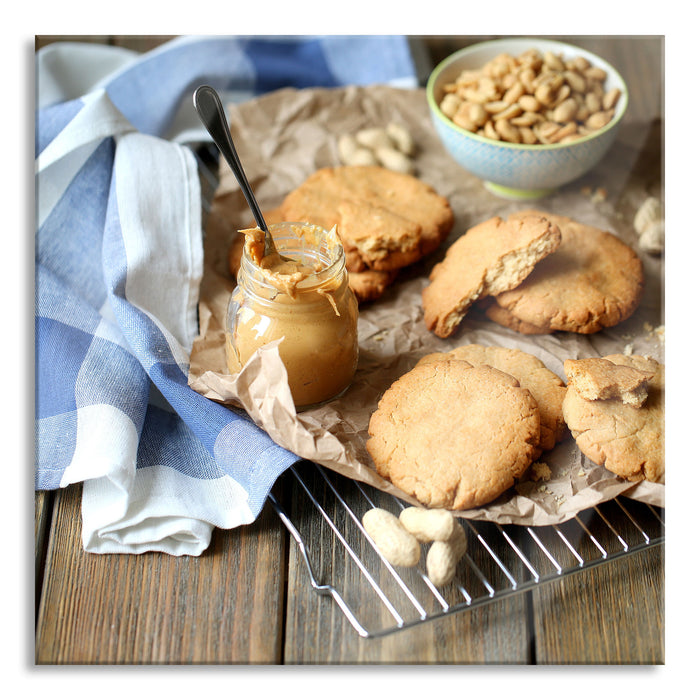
333 263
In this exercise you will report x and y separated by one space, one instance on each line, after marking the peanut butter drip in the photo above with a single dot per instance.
283 273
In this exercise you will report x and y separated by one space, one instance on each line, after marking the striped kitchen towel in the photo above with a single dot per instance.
118 264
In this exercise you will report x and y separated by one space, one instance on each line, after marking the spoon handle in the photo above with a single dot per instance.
211 112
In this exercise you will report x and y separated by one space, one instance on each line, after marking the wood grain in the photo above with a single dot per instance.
221 607
611 614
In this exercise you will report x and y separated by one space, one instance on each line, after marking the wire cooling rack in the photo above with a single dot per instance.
324 520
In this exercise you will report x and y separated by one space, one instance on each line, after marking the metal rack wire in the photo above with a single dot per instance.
378 599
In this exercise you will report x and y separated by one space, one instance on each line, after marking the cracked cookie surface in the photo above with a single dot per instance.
491 257
386 220
453 435
544 385
592 281
626 439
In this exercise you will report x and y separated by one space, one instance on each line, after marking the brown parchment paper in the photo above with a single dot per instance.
285 136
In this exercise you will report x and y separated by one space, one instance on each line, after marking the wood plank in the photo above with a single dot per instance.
317 631
43 508
222 607
612 614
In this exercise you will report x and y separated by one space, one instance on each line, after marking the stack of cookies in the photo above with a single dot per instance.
537 273
385 219
461 427
614 407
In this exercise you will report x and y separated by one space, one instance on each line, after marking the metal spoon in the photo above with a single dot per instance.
211 112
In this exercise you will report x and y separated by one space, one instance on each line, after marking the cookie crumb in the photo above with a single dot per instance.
540 471
600 195
659 332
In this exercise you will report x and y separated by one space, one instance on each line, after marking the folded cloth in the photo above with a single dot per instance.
118 266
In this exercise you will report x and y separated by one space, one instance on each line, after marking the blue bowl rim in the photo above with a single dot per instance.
621 106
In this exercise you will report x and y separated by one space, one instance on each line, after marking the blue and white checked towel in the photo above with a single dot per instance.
118 265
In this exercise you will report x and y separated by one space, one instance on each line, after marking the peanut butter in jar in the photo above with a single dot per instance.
300 295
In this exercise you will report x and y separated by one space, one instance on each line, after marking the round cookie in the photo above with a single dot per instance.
592 281
452 435
369 285
546 387
627 440
505 318
491 257
385 219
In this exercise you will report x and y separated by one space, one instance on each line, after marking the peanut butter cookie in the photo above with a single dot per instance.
505 318
490 258
627 439
592 281
385 219
453 435
599 378
546 387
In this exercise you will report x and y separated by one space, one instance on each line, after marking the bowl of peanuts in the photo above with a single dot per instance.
526 115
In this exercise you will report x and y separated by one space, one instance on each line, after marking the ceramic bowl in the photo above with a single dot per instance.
519 171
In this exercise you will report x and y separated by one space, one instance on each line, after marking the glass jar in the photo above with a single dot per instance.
314 313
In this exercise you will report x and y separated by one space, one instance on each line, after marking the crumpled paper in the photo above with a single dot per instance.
284 137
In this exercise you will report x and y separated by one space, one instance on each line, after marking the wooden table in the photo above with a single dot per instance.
248 598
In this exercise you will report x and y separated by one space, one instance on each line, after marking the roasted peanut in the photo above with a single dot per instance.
428 524
593 102
463 116
553 61
527 119
450 104
529 103
527 135
599 119
490 131
575 80
610 98
595 73
563 91
514 93
495 107
545 94
398 546
566 111
507 131
477 114
565 132
510 112
562 94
